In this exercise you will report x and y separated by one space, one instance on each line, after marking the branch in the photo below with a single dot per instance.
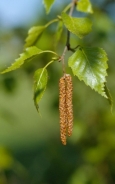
67 47
74 2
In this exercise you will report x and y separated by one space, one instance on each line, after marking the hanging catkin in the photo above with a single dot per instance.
65 107
69 106
62 109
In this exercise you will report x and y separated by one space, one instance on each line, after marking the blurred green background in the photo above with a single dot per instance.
30 148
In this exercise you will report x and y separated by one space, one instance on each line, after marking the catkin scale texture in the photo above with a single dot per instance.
65 107
69 106
62 109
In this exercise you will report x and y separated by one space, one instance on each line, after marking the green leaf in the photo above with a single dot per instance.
40 82
78 26
33 35
89 65
48 4
58 33
84 6
109 96
29 53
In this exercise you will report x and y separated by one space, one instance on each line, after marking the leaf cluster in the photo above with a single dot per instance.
87 63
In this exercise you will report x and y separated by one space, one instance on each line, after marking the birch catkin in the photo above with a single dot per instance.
62 109
65 107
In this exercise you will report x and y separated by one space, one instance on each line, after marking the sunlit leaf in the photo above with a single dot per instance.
48 4
89 65
33 35
78 26
29 53
40 82
84 6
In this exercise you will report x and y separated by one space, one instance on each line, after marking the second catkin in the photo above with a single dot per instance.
65 107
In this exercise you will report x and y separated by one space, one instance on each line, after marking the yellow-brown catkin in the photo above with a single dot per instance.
69 106
65 107
62 109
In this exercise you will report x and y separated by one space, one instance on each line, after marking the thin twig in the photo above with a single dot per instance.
62 59
68 42
72 7
68 39
67 47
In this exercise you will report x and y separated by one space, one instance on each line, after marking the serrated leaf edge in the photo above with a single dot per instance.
22 62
